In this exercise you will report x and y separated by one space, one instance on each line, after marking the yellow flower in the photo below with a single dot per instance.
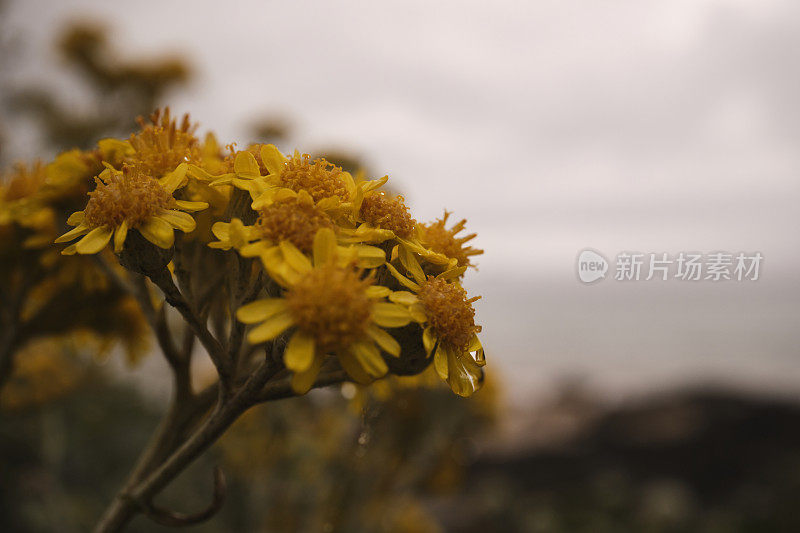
24 206
436 237
380 217
162 145
334 310
211 159
323 181
284 232
71 173
391 213
441 306
131 200
46 369
246 174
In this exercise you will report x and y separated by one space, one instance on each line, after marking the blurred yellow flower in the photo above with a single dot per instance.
160 146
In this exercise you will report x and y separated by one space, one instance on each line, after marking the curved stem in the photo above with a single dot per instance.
137 494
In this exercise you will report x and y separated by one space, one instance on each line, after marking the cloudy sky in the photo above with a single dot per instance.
551 126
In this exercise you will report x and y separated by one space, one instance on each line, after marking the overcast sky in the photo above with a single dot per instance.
550 125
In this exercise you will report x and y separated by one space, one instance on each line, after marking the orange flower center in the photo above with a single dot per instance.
450 313
319 178
130 196
388 213
331 304
440 239
293 221
163 145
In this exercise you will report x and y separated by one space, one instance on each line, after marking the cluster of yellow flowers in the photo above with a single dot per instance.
45 297
351 275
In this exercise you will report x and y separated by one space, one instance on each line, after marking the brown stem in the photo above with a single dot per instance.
173 296
283 389
139 494
11 335
8 346
169 518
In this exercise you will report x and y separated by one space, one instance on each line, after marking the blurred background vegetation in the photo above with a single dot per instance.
402 456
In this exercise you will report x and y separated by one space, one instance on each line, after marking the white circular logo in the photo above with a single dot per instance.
591 266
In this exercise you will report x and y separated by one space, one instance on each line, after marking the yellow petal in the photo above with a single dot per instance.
282 273
284 194
225 179
378 291
246 166
272 158
271 328
417 312
299 353
303 381
353 367
412 265
250 185
324 246
327 204
402 279
476 346
76 218
260 310
384 340
374 184
69 250
440 363
390 315
199 174
428 340
74 232
370 358
114 149
264 199
369 256
452 273
303 198
357 199
119 236
174 179
178 219
368 233
345 255
239 234
464 376
259 248
94 241
480 357
295 257
191 206
221 230
403 298
349 183
157 231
